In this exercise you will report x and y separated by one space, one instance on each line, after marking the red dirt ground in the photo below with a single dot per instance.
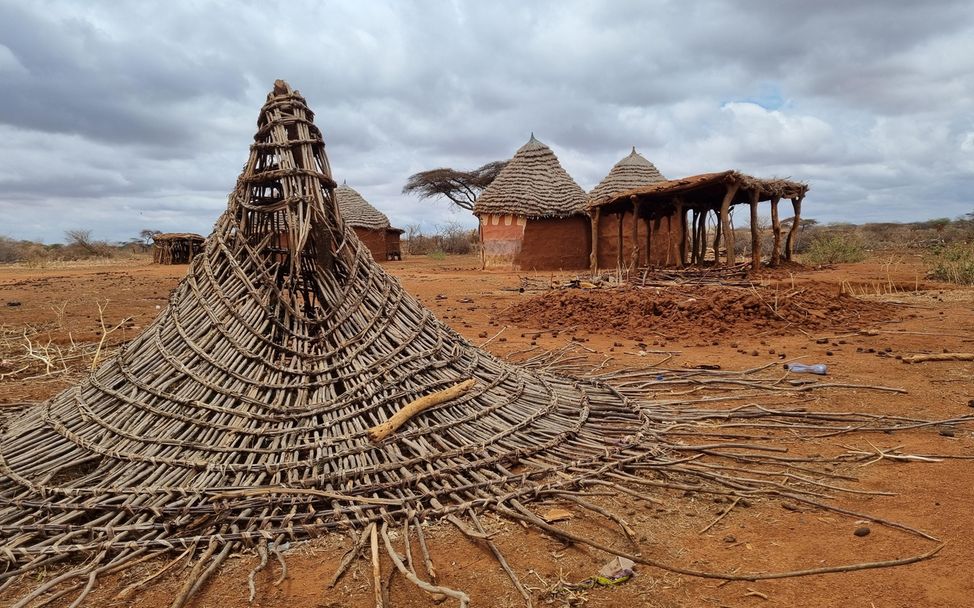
933 496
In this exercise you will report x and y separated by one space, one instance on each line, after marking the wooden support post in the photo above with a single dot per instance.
776 230
676 245
684 233
728 233
695 236
755 231
703 236
594 261
717 235
657 227
635 231
796 203
619 263
649 242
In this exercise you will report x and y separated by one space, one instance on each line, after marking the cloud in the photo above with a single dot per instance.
118 117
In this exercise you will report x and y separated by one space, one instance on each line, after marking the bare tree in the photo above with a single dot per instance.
146 235
461 187
81 239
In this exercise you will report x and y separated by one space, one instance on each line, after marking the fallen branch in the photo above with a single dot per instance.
939 357
383 430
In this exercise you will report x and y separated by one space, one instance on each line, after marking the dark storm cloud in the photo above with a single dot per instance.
122 116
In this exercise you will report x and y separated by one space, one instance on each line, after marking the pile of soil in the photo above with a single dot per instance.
700 311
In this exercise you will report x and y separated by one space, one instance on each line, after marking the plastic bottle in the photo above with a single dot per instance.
819 368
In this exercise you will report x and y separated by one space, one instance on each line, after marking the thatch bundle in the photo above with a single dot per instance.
357 212
631 172
533 184
241 416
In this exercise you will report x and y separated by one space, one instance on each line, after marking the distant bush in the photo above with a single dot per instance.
436 255
954 263
835 249
450 239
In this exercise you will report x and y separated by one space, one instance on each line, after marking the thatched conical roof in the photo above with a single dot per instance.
631 172
533 184
357 211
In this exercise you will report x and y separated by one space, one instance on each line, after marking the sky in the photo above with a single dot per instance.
117 117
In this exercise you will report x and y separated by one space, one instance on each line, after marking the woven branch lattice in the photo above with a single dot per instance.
240 417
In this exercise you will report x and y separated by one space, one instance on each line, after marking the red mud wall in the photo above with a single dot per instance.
393 250
375 240
662 252
501 237
556 244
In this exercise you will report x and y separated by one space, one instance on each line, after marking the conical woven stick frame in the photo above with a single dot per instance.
240 417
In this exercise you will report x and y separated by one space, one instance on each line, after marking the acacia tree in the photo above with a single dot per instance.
146 235
461 187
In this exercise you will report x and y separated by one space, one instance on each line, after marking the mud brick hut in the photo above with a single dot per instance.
176 247
532 216
631 172
371 226
667 220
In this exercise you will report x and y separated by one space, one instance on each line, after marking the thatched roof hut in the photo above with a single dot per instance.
633 171
532 214
370 225
533 185
175 247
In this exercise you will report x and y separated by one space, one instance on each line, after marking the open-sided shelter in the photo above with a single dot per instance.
532 216
175 247
631 172
371 226
684 239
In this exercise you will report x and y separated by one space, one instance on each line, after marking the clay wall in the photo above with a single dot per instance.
556 244
661 250
375 240
501 237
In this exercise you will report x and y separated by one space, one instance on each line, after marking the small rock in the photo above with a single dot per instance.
482 334
754 353
829 353
947 432
730 538
13 303
862 531
822 341
788 506
970 403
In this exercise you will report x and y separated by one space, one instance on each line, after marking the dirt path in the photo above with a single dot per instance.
763 536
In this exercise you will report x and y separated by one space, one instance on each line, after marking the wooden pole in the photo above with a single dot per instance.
796 203
594 261
390 426
776 230
684 232
695 236
621 216
717 235
725 226
755 232
649 242
635 230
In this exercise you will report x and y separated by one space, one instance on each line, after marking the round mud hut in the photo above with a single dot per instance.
176 247
371 226
532 216
631 172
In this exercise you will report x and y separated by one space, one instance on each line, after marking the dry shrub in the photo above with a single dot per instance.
954 263
835 249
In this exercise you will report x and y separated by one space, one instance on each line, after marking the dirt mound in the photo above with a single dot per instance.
700 311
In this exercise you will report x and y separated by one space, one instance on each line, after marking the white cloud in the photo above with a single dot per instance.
118 115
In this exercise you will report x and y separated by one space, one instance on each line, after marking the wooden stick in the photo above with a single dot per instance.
383 430
939 357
